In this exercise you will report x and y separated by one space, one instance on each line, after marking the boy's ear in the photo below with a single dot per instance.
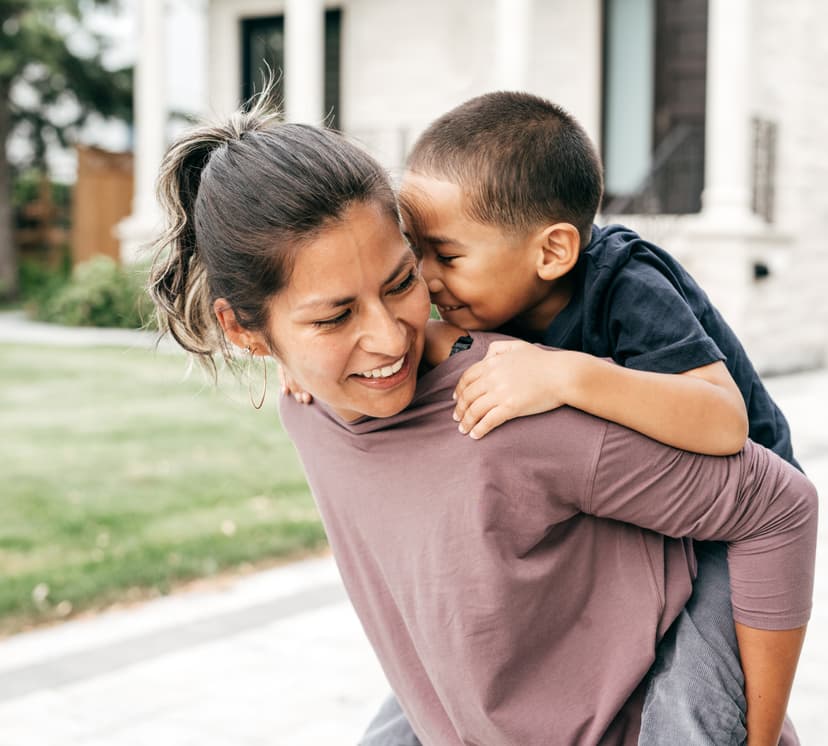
558 248
236 334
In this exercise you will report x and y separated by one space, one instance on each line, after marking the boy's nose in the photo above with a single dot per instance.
429 268
435 285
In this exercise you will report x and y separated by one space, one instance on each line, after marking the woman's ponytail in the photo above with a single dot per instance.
177 278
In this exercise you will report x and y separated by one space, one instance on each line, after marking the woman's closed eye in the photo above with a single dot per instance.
405 284
445 258
398 289
335 321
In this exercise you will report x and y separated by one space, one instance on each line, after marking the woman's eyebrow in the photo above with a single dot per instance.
344 301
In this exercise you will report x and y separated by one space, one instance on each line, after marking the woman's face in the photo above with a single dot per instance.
350 326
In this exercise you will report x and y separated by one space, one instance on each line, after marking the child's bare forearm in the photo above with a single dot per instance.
769 660
701 410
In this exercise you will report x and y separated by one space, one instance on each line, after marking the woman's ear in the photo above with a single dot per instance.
234 332
558 248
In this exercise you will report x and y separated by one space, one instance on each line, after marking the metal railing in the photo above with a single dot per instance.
674 183
763 192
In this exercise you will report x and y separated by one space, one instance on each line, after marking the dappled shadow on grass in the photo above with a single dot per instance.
122 475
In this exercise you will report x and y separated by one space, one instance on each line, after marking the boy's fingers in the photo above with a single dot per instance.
474 413
495 417
288 386
470 375
472 393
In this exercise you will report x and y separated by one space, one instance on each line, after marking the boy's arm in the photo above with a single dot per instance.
765 509
769 661
440 336
701 410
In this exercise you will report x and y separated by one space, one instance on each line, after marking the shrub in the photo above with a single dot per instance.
99 293
39 281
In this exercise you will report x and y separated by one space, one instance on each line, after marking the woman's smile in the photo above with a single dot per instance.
384 371
387 376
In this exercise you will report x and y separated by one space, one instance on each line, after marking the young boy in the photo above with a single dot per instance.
499 197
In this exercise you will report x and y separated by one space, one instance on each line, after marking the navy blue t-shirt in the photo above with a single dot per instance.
636 304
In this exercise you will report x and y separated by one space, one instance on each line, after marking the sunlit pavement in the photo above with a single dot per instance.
278 657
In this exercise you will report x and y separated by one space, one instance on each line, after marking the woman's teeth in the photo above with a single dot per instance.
384 372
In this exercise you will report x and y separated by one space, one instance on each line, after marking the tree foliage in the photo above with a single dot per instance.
52 79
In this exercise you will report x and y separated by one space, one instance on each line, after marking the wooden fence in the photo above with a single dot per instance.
102 198
85 223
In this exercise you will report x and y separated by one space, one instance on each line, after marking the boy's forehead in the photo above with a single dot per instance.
432 189
427 200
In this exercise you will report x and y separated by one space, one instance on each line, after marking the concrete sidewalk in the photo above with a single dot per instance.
278 657
16 328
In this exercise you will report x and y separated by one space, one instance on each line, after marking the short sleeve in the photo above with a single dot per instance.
651 324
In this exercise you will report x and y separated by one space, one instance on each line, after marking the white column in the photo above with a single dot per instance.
304 60
512 44
727 179
726 234
149 118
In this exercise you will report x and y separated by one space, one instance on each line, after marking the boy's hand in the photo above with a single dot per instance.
514 379
289 386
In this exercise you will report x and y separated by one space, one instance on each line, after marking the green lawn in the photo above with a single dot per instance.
121 477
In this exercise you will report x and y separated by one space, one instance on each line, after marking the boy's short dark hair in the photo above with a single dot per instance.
522 161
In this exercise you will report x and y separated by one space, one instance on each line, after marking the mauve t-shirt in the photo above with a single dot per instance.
515 588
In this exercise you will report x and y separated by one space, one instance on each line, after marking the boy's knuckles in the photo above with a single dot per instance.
475 412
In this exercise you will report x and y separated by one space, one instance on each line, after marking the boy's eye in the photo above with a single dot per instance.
405 284
445 258
335 321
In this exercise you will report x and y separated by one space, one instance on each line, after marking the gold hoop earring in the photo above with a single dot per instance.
250 381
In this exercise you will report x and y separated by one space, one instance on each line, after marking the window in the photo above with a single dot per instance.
655 59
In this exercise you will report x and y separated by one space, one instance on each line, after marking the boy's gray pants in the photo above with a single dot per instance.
695 695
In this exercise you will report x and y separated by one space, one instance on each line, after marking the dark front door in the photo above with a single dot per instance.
263 46
678 126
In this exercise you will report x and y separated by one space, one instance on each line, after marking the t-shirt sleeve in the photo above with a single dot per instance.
764 508
651 324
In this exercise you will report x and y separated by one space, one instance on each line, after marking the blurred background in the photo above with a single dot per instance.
125 480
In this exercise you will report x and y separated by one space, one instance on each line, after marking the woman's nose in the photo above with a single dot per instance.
383 332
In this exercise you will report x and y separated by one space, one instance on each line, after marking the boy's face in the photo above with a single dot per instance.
479 276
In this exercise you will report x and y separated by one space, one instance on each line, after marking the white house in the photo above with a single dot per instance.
711 115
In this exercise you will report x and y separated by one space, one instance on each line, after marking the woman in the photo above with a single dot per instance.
514 589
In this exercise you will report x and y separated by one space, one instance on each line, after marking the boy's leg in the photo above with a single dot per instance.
389 727
695 695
